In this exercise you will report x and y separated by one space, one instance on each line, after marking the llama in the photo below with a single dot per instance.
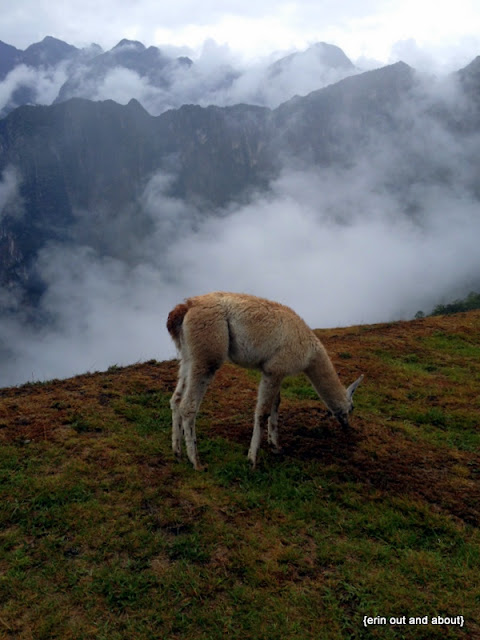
252 333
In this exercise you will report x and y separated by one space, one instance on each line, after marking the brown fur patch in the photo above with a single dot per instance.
175 319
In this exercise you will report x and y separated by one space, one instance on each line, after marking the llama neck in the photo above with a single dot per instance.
325 381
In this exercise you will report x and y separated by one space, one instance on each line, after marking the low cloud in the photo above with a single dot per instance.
28 85
435 58
121 85
326 243
394 232
11 204
369 264
217 77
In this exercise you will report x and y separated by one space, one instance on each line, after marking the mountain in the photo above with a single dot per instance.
9 58
150 64
470 76
39 71
74 172
81 156
48 53
331 124
468 114
161 82
299 73
321 54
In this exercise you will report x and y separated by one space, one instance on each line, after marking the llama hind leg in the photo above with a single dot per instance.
197 385
273 425
175 407
206 336
268 391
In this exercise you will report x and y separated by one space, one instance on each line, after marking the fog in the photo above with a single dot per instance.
9 193
217 77
341 246
36 86
329 244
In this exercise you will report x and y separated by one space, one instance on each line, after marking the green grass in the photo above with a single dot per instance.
103 535
298 387
454 344
123 556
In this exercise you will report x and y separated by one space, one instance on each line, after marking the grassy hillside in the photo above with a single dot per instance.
104 536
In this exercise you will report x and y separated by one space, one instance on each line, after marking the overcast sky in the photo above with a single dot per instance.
424 32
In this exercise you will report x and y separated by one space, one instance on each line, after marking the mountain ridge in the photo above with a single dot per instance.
133 70
215 153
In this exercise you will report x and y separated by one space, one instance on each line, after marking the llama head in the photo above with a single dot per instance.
342 414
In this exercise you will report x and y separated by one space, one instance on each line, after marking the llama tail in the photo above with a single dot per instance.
175 321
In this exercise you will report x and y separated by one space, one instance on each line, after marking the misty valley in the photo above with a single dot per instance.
130 179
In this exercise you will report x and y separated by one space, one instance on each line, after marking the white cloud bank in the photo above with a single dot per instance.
369 264
43 84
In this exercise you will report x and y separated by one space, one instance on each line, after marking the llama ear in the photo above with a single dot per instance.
353 386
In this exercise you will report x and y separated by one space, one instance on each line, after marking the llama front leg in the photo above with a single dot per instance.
273 425
267 393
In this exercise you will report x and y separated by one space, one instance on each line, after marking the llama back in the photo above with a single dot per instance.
259 328
253 330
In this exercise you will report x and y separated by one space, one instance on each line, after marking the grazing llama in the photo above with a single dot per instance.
253 333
